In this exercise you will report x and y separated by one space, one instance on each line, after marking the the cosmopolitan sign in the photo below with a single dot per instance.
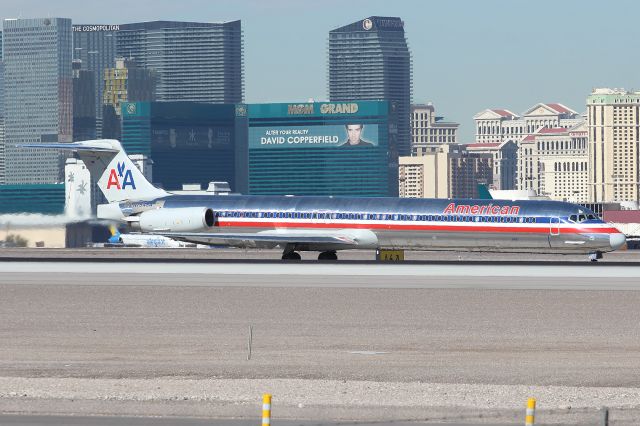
454 208
308 136
95 28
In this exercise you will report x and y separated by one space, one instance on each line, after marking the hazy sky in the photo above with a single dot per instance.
467 55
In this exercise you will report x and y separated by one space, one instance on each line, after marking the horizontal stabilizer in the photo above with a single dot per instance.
94 145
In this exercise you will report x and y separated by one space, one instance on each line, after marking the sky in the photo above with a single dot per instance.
467 55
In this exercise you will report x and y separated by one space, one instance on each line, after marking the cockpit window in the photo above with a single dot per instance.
578 218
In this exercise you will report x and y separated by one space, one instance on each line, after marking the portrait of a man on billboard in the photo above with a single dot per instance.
354 136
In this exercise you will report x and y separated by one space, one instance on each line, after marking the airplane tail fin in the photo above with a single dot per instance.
118 178
115 235
483 192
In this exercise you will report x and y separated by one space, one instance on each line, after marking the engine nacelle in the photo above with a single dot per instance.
183 219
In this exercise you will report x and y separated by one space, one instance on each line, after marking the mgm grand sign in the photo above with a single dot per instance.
325 108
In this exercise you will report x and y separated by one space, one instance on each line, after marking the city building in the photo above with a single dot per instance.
95 46
505 162
444 171
2 101
428 129
322 148
498 125
554 163
370 60
194 61
127 82
3 171
188 142
38 95
84 104
613 117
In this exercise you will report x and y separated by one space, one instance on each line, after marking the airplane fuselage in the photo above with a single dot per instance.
412 224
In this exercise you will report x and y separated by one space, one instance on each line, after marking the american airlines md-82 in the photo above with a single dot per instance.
330 224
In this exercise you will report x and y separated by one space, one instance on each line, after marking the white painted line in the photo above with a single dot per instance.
572 271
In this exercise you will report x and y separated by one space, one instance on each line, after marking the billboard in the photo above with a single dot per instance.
346 136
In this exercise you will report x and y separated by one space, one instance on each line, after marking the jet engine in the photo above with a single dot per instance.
184 219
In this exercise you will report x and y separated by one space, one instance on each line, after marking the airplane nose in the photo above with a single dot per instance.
617 240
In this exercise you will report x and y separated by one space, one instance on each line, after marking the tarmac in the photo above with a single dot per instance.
340 343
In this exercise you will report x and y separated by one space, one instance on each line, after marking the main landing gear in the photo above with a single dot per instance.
595 256
328 255
289 253
292 255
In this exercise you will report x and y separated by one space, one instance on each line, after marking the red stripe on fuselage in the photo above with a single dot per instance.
397 227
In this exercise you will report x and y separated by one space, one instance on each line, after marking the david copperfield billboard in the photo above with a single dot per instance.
355 135
322 148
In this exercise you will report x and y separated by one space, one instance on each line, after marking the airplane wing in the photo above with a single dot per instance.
341 238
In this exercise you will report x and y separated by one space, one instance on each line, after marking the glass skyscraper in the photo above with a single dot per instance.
200 62
38 95
2 169
370 60
95 47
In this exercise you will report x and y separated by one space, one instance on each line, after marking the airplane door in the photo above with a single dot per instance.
554 226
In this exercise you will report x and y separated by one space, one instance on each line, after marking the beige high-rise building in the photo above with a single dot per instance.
505 162
499 125
554 163
444 171
613 117
427 129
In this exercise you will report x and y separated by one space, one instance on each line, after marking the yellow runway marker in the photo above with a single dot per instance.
530 417
266 409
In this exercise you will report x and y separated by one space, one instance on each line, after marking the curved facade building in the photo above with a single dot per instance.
370 60
194 61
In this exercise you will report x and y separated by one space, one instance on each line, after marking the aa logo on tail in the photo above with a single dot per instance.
122 178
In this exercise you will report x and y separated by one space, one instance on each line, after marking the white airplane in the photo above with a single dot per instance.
329 224
144 240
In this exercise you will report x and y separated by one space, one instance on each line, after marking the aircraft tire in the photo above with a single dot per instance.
291 256
328 255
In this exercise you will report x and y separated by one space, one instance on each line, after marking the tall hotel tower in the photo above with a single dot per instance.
613 117
95 47
193 61
38 95
370 60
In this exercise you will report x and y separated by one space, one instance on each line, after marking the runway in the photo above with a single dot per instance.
505 276
330 341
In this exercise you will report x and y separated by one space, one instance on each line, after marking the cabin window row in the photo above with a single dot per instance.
380 216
